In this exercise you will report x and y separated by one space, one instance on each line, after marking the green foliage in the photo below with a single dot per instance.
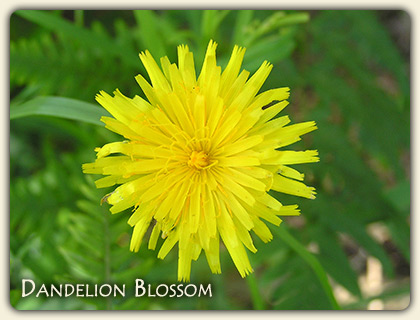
59 107
48 60
363 137
345 72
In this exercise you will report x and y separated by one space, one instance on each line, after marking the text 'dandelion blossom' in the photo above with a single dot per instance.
200 157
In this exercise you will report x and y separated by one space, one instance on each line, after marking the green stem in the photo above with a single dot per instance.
107 258
257 299
312 261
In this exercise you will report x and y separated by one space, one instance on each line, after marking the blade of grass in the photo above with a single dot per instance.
312 261
59 107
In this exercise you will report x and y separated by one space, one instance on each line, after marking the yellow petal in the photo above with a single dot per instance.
156 76
186 66
292 157
212 255
282 184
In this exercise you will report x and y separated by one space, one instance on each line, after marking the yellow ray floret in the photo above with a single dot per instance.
199 158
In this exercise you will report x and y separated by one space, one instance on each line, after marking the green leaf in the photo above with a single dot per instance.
311 260
390 293
344 222
211 20
399 196
148 32
277 21
59 107
335 261
273 49
243 19
54 64
291 19
15 296
400 232
84 36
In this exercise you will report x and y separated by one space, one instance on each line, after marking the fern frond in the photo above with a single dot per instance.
61 67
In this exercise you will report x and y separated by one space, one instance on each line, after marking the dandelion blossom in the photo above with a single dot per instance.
200 156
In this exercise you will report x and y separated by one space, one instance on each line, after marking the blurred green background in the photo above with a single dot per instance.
347 70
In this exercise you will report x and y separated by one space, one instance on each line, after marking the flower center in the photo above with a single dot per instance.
198 159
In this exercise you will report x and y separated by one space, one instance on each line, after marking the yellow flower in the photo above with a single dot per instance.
200 157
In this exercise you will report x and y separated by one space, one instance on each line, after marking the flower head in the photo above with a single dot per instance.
200 157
